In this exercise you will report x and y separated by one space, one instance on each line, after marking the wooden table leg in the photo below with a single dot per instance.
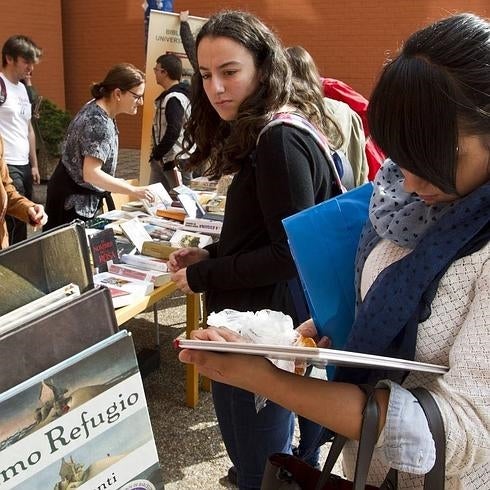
192 377
156 325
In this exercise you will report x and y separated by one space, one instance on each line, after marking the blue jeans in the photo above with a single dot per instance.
251 437
308 448
22 179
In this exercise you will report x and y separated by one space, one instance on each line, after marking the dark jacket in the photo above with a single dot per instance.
249 268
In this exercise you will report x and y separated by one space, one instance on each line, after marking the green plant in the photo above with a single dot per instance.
52 124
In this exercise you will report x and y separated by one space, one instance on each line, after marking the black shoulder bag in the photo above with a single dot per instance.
288 472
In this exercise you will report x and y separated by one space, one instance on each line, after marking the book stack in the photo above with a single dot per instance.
145 262
57 326
158 278
124 289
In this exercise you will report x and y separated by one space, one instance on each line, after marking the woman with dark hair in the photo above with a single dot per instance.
423 269
243 81
85 173
350 139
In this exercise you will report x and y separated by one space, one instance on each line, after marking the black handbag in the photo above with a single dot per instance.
288 472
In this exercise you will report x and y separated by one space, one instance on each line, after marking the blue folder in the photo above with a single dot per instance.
323 240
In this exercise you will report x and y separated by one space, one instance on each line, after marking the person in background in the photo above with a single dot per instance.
187 39
349 135
14 204
338 90
353 144
172 109
35 99
32 94
243 81
85 173
19 55
148 5
423 270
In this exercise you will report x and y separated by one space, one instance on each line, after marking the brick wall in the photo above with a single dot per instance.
97 35
348 39
42 22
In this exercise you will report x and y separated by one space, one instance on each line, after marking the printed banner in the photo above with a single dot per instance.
163 37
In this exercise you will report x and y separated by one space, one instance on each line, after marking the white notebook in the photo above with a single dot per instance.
313 355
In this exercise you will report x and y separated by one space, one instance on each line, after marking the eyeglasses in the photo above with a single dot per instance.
158 69
137 97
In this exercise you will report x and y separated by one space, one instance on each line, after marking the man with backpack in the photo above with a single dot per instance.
19 55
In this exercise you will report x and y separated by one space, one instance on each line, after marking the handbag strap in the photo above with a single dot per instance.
435 478
367 442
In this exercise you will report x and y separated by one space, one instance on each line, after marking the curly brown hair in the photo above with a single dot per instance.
225 145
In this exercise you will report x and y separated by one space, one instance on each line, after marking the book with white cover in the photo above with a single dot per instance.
38 307
158 278
161 198
132 206
121 298
162 222
313 355
208 226
83 423
135 230
183 238
125 283
145 262
158 233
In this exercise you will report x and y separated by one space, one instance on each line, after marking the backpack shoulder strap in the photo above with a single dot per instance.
3 91
299 122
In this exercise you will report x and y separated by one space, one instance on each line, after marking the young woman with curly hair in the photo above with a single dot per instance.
244 80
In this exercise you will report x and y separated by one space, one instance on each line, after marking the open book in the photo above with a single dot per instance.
314 355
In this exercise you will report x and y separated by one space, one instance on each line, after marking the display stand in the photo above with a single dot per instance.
192 323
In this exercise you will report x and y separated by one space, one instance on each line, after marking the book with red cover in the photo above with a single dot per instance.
127 284
158 278
103 247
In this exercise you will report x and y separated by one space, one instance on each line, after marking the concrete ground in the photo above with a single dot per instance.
191 452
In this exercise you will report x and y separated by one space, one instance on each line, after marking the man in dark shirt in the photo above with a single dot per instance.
172 107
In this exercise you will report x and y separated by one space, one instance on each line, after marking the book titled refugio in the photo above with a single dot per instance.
82 424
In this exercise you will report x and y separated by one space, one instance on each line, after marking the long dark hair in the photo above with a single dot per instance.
224 145
436 88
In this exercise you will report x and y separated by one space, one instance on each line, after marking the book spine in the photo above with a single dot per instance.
131 273
212 228
144 263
